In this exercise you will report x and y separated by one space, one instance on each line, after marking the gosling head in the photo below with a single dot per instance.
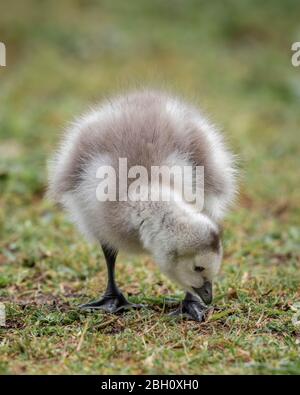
194 259
194 270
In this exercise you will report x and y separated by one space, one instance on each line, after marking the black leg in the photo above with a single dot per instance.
191 308
113 301
110 258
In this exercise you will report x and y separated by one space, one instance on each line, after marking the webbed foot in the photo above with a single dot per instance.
111 303
191 309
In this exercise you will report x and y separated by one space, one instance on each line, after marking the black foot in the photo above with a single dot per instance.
191 310
111 304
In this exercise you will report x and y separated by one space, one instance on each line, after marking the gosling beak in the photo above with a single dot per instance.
205 292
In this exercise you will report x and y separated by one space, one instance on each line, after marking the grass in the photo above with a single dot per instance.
236 64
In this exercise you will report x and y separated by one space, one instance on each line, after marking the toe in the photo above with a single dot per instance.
87 306
176 313
196 312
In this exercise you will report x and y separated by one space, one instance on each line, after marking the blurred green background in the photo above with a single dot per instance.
231 58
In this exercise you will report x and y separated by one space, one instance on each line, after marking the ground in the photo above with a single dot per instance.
234 60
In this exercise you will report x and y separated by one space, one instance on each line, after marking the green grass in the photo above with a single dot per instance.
234 60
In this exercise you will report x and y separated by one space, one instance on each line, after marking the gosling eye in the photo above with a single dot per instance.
199 269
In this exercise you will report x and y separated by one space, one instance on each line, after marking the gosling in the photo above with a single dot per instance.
149 129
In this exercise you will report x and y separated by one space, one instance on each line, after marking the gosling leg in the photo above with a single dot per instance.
113 301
